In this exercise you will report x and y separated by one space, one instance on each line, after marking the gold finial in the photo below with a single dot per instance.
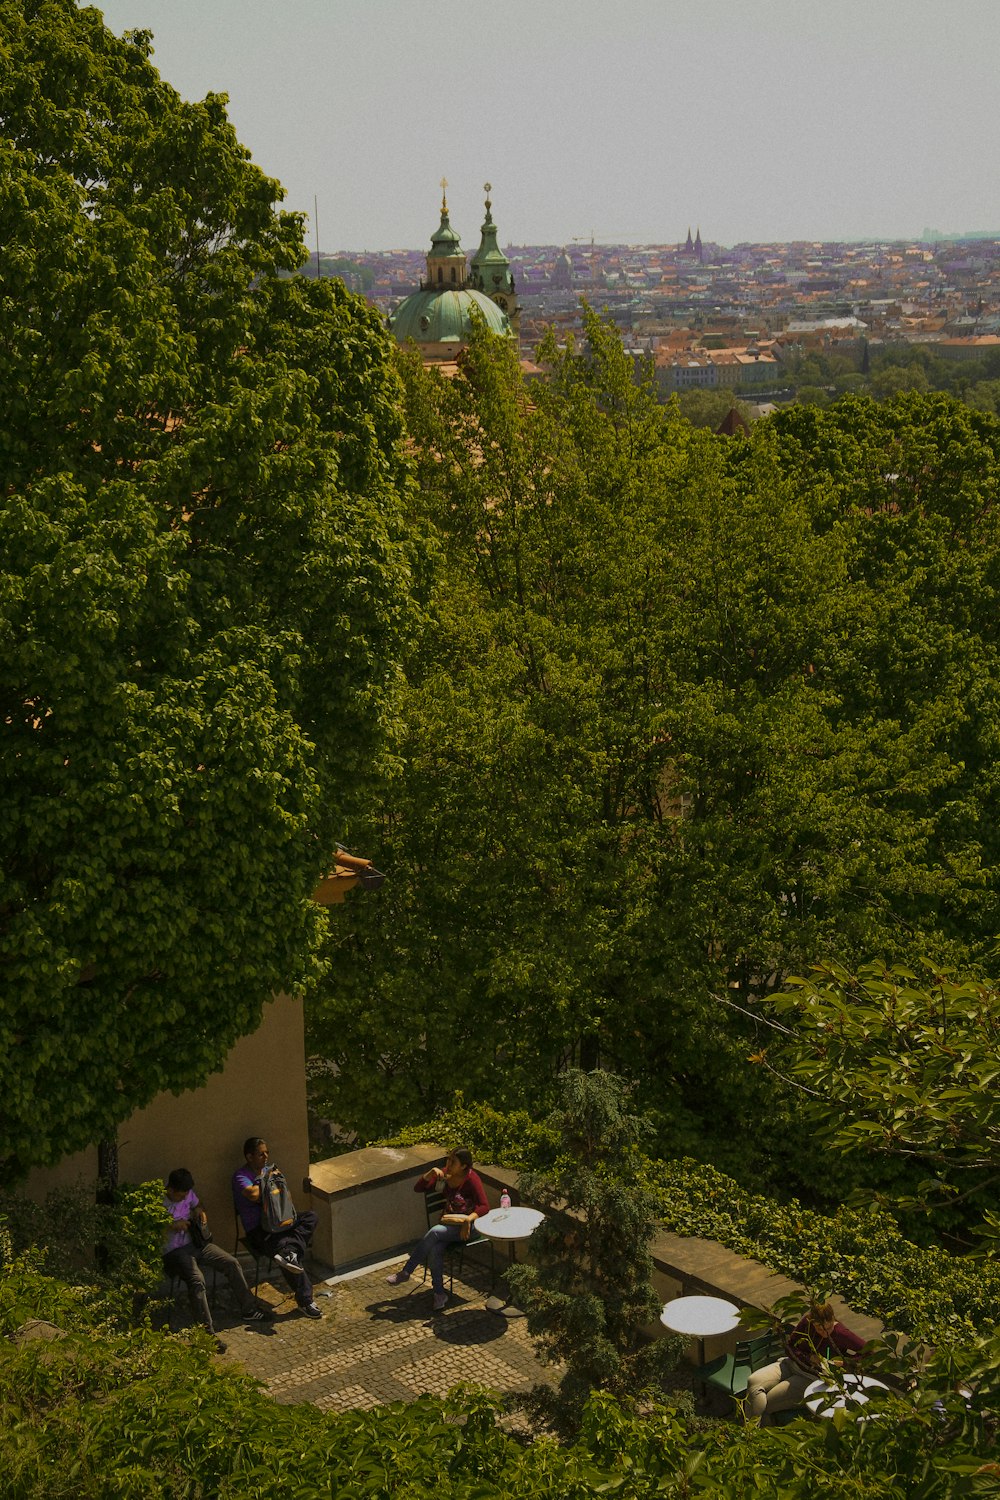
444 200
487 187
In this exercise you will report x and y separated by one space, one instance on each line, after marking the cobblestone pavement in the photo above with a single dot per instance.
377 1343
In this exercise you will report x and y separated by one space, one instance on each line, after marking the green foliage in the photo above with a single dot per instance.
813 395
892 371
588 1292
86 1418
709 408
860 1250
514 1139
911 1059
686 715
203 582
110 1251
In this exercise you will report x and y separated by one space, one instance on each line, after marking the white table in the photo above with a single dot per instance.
508 1225
700 1317
823 1398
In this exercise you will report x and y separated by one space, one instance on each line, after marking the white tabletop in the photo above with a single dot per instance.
700 1316
509 1223
824 1398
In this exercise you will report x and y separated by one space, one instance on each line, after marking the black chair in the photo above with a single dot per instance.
434 1206
259 1257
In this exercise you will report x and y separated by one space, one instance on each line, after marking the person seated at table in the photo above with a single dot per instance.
815 1337
464 1203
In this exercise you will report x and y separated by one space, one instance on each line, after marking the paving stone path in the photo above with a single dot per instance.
376 1343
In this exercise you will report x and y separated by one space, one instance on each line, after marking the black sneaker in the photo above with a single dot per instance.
311 1310
257 1316
288 1261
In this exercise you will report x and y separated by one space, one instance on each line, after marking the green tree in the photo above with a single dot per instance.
686 714
813 395
903 1063
202 581
709 408
535 821
890 380
588 1292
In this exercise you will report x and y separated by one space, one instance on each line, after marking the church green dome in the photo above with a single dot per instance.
445 240
433 317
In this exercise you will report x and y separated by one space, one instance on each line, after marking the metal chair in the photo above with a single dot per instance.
730 1373
258 1256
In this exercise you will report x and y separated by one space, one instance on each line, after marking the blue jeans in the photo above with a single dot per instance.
431 1249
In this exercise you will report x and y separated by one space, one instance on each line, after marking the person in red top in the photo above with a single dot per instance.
782 1385
464 1203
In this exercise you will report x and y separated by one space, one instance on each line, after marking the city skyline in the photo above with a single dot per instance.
785 120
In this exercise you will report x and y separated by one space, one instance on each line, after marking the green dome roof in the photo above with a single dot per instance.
445 317
445 240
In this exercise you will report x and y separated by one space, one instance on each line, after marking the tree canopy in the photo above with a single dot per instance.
686 714
203 581
902 1062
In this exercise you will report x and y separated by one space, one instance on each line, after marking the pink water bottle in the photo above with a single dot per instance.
505 1199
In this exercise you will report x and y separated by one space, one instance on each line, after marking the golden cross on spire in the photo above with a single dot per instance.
444 200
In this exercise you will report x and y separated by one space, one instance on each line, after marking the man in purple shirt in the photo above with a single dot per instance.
288 1246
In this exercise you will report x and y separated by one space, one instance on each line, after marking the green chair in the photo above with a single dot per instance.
730 1373
790 1414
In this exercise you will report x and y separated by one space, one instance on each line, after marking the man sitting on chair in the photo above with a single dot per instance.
464 1203
287 1247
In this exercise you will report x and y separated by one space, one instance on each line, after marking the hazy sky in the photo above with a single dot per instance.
755 119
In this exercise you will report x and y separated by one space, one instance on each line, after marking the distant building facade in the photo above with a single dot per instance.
709 369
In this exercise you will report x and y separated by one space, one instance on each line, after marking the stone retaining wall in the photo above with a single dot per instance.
367 1209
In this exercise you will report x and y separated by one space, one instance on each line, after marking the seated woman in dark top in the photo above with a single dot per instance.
464 1203
782 1385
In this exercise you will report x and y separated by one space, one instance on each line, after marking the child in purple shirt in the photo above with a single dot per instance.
182 1258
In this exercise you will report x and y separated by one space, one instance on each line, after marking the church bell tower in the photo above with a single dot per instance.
490 271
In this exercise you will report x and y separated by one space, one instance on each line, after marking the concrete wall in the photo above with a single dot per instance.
261 1090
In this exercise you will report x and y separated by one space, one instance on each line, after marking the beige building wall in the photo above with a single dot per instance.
261 1090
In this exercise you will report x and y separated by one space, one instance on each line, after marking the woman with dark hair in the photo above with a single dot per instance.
815 1337
464 1203
183 1258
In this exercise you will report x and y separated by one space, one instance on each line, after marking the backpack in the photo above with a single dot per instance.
277 1211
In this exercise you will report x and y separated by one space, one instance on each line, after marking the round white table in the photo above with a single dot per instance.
700 1317
823 1398
508 1225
